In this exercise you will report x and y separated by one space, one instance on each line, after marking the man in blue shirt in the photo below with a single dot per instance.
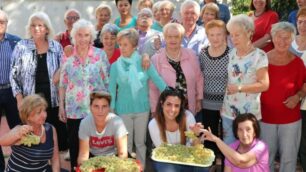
292 15
8 103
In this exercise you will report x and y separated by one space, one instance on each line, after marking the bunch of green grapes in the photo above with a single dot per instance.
110 164
184 154
30 139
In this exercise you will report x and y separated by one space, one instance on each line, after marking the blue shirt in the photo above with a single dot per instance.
6 48
24 64
292 17
132 23
196 41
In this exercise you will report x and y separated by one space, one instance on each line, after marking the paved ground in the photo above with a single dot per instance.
66 165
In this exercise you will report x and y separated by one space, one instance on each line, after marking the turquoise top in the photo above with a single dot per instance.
132 23
157 26
130 81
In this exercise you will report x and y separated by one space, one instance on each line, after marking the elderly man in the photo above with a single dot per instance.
149 39
8 103
195 37
292 15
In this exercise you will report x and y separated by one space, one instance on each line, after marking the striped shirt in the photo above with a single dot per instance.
34 158
5 61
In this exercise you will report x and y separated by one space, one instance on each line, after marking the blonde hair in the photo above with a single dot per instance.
175 26
29 104
210 7
140 2
103 7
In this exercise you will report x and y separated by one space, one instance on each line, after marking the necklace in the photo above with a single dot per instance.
176 59
41 133
258 15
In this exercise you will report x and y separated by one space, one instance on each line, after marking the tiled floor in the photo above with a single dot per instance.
65 164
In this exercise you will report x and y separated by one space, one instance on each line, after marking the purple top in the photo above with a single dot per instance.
262 156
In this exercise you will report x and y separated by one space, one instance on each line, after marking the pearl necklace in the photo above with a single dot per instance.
176 59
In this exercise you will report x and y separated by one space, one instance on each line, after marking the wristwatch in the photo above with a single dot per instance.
239 88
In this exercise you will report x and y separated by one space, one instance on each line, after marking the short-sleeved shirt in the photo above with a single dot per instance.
242 71
132 23
103 143
172 137
260 149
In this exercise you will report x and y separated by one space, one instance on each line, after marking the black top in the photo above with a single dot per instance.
97 42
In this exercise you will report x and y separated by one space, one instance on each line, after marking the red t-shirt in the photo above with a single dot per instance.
115 56
65 39
285 81
263 26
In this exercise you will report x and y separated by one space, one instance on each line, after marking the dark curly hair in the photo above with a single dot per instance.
246 117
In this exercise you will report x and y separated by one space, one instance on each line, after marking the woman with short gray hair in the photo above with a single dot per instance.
247 75
86 70
34 63
165 10
130 91
108 38
280 104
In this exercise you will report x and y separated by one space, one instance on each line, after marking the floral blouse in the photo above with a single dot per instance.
79 78
243 71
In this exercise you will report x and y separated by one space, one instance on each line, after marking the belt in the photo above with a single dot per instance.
5 86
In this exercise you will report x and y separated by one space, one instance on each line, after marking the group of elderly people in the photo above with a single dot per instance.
105 82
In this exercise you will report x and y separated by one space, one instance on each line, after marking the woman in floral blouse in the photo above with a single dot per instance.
247 75
86 70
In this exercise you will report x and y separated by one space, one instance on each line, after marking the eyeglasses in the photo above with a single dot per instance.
2 22
73 18
299 22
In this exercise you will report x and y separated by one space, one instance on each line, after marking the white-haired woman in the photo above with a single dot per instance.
35 60
280 104
247 75
145 4
86 70
131 100
103 15
108 38
165 10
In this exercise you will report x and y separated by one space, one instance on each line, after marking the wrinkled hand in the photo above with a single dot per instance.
232 89
198 106
292 101
208 135
68 50
157 43
21 130
62 114
197 128
56 77
145 61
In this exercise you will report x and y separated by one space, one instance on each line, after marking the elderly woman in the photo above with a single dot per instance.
165 10
224 12
70 17
209 12
247 75
85 71
298 46
248 153
179 67
263 18
168 126
280 104
102 133
144 4
103 14
131 100
214 62
126 20
195 37
155 11
35 61
108 37
36 157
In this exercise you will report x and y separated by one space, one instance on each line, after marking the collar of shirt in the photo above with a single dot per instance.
31 45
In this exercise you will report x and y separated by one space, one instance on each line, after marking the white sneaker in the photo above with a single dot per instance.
133 155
